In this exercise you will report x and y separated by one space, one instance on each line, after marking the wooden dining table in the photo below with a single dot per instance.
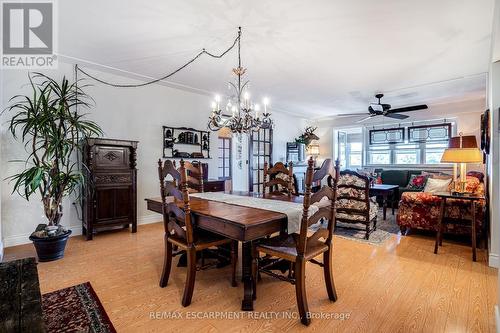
244 224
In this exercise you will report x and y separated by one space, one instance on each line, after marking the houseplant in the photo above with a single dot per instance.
48 123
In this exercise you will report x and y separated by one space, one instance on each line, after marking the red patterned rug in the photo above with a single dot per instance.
75 309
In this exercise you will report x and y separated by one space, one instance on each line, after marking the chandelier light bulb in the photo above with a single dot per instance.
257 107
217 98
214 105
266 103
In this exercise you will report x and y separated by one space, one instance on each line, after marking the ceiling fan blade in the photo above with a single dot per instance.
396 115
366 118
409 108
350 114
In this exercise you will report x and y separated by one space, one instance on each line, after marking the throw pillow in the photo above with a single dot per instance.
472 184
434 185
417 182
436 175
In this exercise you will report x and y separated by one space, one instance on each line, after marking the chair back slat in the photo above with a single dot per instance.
194 179
278 179
176 214
172 190
323 212
327 211
325 191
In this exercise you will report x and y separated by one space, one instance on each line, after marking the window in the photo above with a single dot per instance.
350 148
355 154
424 145
224 158
433 152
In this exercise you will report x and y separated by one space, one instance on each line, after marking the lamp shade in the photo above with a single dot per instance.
462 155
313 149
463 141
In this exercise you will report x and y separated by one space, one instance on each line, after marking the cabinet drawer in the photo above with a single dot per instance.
108 157
113 178
214 186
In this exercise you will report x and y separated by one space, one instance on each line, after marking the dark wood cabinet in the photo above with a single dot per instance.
214 185
110 194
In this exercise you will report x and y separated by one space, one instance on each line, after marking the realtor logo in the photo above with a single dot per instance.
28 35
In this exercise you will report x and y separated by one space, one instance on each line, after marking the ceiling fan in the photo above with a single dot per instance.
380 109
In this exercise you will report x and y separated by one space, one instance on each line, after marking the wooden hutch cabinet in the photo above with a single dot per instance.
110 194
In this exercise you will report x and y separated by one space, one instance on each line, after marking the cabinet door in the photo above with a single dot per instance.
109 157
113 205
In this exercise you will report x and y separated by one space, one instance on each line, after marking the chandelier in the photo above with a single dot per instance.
240 114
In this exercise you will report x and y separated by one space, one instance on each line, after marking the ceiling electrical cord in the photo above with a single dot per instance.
202 52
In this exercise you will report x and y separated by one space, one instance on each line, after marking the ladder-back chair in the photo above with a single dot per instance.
278 179
179 228
301 248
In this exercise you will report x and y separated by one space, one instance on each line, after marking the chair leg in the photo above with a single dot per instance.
190 276
375 224
367 235
327 269
167 263
300 291
234 262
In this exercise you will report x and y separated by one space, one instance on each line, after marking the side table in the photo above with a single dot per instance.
473 199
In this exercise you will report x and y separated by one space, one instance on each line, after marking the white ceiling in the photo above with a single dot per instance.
313 58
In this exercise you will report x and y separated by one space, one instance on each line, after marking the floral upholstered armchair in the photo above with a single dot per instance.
354 205
421 210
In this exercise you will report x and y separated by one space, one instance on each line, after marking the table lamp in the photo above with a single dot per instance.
462 149
313 150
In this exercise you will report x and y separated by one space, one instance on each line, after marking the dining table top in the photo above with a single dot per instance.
252 220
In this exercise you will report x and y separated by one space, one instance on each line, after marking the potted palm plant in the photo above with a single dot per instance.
49 125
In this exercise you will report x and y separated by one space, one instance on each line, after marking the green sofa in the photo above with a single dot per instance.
400 178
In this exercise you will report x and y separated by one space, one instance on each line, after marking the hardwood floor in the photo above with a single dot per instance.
399 286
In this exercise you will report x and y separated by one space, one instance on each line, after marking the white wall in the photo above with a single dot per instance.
123 113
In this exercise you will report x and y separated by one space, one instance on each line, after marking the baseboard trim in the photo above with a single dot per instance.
494 260
21 239
497 319
76 231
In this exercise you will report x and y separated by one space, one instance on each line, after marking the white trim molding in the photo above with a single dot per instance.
494 260
497 319
76 231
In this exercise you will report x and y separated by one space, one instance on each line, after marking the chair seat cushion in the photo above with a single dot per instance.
360 205
286 247
204 239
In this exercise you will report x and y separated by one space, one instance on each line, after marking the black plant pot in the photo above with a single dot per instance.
50 248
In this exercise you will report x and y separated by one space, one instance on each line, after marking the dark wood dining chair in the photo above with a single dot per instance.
299 248
180 230
278 179
354 205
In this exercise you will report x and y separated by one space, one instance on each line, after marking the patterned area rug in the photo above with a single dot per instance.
385 229
75 309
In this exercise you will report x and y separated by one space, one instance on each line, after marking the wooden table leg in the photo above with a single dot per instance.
248 284
473 204
440 225
385 203
394 196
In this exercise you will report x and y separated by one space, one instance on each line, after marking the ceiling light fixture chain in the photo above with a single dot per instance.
166 76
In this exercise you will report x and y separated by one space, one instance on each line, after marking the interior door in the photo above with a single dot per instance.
260 151
342 148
